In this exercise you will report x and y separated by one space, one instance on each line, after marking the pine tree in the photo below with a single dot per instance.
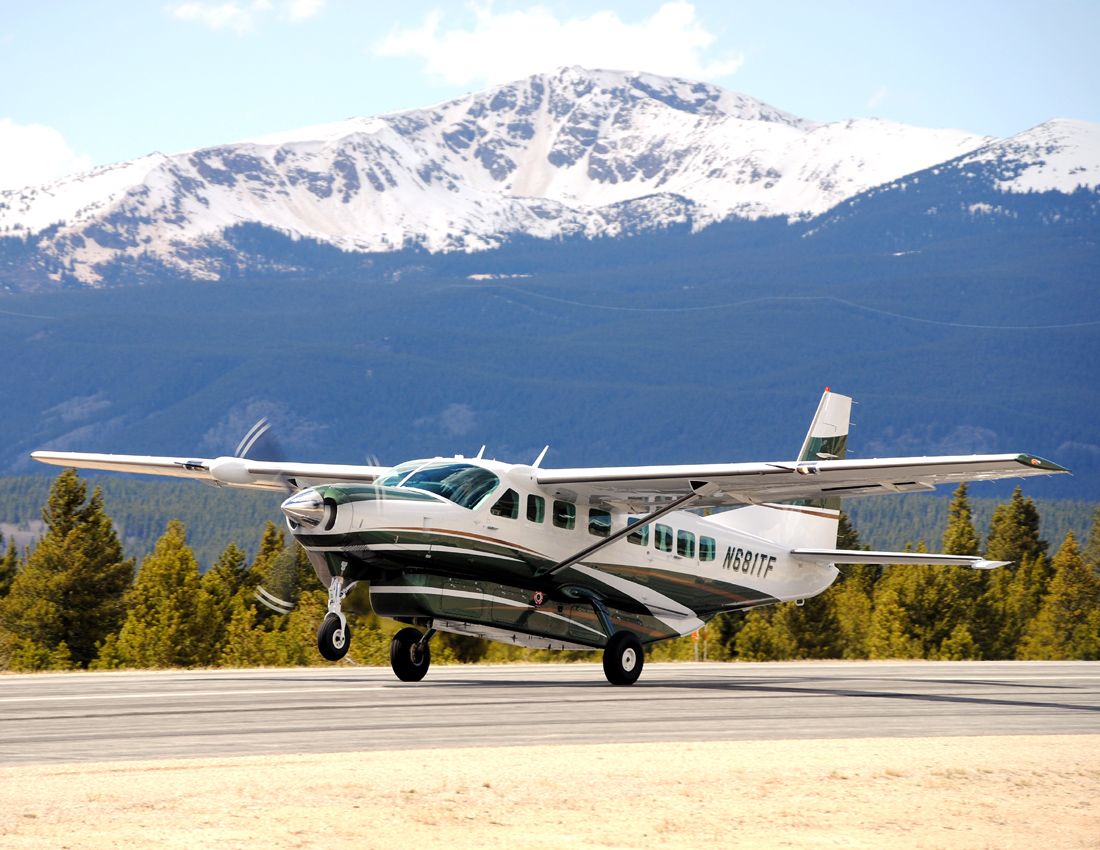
960 538
1013 594
167 621
964 590
849 599
71 588
1068 622
244 641
1091 553
889 635
759 640
223 583
9 567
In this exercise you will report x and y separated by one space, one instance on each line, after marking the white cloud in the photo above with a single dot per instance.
300 10
32 153
242 17
875 100
504 46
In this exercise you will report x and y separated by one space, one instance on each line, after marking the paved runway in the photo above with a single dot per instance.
174 714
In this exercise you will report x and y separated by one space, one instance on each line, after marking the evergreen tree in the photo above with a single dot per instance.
758 640
167 622
849 599
70 590
889 635
244 641
1014 531
1068 622
964 589
960 538
1013 594
223 583
9 566
1091 554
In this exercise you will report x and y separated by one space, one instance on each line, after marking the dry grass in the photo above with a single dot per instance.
990 792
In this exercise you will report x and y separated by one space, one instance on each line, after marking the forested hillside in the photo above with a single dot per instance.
77 599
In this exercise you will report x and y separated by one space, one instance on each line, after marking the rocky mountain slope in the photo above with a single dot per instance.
573 152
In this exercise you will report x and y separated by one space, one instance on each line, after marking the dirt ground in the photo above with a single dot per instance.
989 792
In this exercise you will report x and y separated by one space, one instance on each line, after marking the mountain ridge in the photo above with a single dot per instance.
570 153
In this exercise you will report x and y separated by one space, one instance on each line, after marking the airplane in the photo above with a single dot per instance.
609 559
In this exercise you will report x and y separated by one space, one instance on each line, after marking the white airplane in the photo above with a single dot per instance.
588 558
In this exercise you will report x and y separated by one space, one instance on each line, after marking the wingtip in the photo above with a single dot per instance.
1036 462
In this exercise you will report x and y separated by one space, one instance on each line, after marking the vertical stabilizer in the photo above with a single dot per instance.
827 438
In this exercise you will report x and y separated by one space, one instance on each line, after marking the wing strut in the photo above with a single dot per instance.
698 490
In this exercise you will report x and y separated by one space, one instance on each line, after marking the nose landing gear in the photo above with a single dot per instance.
334 636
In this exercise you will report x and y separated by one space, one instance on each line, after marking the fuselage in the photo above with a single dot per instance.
469 545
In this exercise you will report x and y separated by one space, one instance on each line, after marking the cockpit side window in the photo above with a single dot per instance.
462 483
507 505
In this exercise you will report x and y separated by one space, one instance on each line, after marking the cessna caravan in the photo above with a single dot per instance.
607 559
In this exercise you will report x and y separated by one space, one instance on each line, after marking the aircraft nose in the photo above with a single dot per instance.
306 507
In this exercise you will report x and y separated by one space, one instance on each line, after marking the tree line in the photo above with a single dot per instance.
75 601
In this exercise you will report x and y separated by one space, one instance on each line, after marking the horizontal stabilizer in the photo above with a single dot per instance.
855 556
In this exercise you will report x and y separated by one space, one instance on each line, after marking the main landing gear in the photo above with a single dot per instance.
623 658
410 654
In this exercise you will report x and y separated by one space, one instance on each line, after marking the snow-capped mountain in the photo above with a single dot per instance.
571 152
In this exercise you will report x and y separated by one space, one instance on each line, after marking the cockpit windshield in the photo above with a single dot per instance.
462 483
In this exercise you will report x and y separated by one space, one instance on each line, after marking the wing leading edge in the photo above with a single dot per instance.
749 483
221 471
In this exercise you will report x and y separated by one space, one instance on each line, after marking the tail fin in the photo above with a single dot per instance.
804 523
827 438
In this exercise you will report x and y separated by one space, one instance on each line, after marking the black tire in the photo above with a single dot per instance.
408 658
332 641
623 658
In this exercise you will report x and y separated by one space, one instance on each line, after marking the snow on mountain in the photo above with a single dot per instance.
570 152
1058 156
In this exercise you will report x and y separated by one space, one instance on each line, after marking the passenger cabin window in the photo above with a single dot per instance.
599 522
685 544
565 514
639 537
507 505
707 548
536 508
662 537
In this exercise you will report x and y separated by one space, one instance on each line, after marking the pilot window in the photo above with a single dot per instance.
639 537
599 522
662 537
685 544
507 505
707 548
536 508
565 514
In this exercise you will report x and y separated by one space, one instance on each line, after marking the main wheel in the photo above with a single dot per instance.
623 658
332 640
408 658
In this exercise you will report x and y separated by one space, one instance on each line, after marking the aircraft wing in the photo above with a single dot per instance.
641 487
227 471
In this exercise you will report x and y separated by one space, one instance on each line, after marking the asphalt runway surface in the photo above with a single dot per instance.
80 717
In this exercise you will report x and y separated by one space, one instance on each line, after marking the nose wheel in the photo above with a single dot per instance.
334 637
410 654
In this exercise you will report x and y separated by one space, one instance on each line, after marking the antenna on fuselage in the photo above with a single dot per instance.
538 460
480 453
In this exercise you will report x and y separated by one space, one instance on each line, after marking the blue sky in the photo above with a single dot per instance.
92 83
